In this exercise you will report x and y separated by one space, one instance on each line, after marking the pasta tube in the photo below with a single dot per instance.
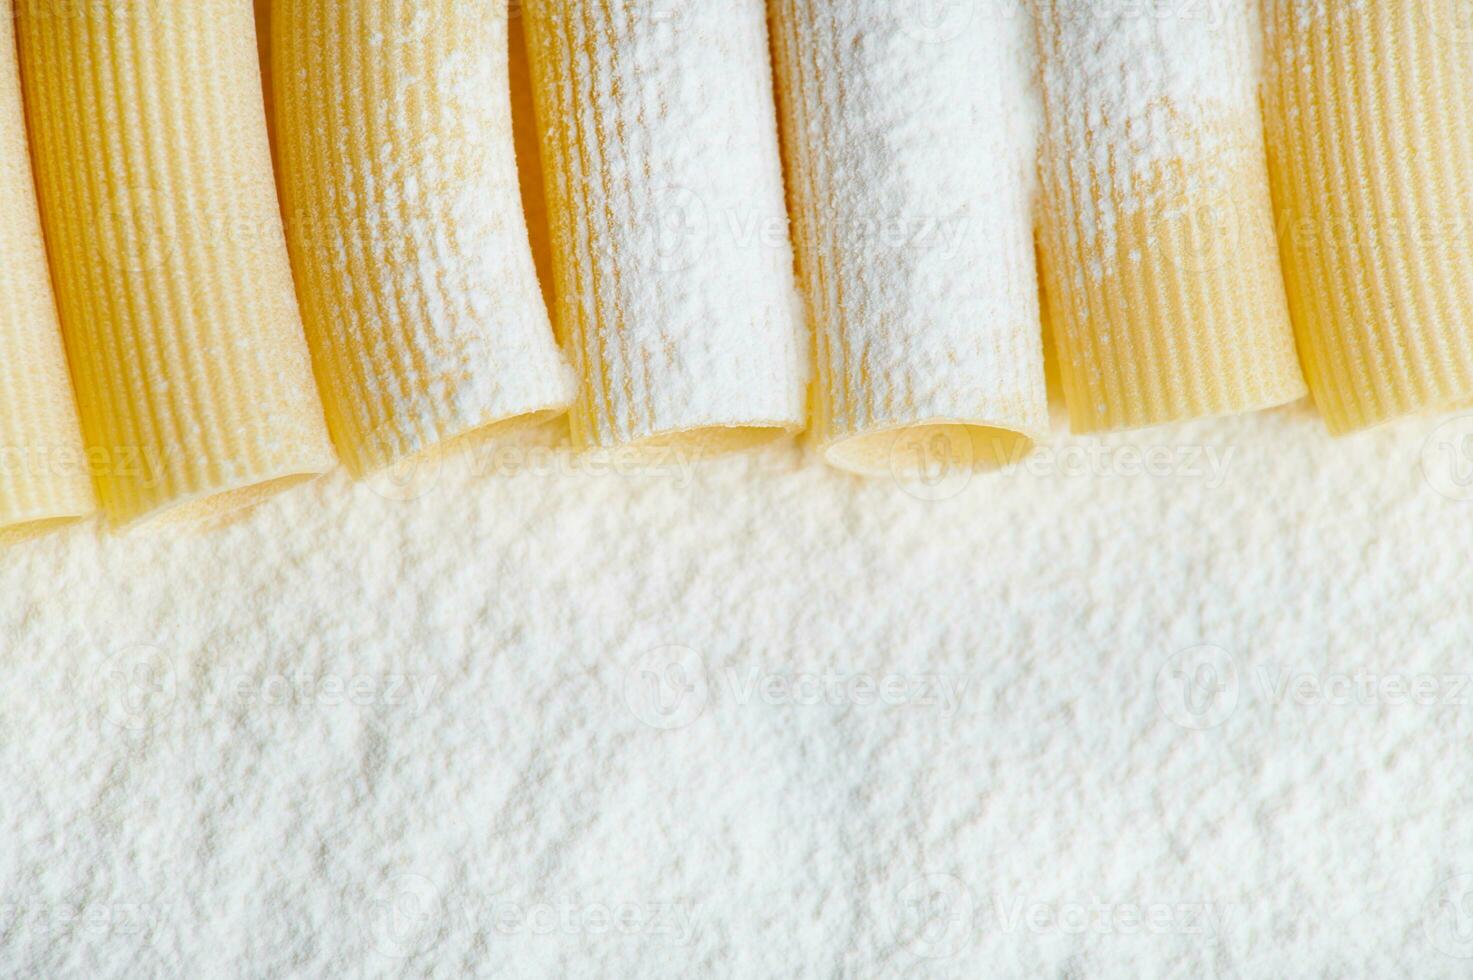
1160 266
529 160
43 473
1371 155
176 299
914 231
404 216
674 273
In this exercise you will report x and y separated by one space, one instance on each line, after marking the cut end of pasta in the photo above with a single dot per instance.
365 467
211 509
28 530
910 451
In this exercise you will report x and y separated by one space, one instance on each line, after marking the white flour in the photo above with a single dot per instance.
358 737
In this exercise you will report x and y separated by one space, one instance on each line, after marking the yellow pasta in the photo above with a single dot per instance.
910 163
529 160
43 474
175 291
674 273
1369 109
400 187
1160 266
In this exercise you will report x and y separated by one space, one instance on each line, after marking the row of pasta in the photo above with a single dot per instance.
761 218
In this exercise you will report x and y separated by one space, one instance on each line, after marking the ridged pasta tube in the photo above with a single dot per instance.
175 291
1165 295
674 272
911 162
399 179
1369 109
43 472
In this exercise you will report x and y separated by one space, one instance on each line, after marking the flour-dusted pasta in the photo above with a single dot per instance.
1161 272
175 292
1370 123
911 169
43 474
674 277
399 180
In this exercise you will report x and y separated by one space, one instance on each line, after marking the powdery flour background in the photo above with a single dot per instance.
1191 704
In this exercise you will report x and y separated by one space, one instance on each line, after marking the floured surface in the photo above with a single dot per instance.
354 736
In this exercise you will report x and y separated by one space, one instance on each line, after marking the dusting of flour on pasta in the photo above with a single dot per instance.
912 172
1132 91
